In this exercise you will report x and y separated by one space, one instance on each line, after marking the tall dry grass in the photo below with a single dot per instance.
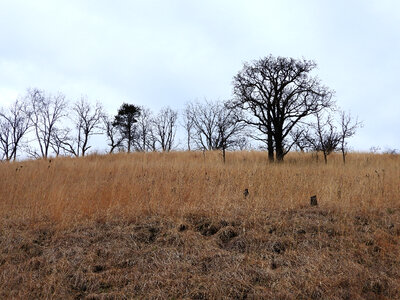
174 184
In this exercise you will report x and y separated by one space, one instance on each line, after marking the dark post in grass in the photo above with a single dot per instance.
313 200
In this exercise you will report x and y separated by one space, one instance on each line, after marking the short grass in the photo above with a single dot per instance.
178 225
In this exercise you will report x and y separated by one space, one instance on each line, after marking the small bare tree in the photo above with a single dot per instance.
216 125
87 121
348 128
61 142
299 136
165 124
229 127
46 112
5 140
145 140
204 124
323 135
187 124
14 124
113 135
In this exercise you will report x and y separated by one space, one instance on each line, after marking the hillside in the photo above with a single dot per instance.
179 225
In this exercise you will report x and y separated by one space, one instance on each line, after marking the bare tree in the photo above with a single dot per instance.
243 143
204 119
216 125
165 124
5 140
278 93
87 121
14 124
144 130
113 135
46 112
60 142
299 136
391 151
230 127
375 149
187 124
348 128
323 135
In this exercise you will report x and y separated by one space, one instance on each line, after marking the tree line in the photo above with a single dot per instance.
276 102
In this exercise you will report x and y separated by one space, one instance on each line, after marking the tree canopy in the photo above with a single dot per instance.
277 93
125 120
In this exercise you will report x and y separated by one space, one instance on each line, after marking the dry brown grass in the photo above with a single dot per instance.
177 225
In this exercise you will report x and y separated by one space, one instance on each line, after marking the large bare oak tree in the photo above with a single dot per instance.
278 92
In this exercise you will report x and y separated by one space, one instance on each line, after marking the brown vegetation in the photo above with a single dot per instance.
179 225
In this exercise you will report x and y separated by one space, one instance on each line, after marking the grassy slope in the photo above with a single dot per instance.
178 225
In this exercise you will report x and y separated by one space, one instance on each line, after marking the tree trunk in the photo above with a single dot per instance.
344 156
270 136
270 148
279 149
280 153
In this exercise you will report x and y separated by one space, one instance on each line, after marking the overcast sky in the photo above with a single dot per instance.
159 53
